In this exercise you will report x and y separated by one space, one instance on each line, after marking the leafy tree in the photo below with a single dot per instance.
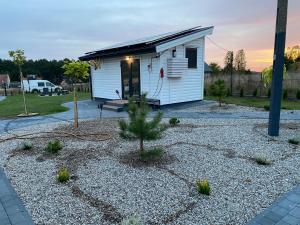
218 89
76 70
215 67
293 53
48 70
240 61
138 126
19 59
228 62
267 75
292 58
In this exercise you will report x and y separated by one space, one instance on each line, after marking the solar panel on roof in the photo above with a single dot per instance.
146 40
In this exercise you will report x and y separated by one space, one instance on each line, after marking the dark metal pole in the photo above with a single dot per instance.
231 73
130 81
278 68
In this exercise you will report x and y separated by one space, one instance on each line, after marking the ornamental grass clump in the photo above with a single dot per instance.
139 127
262 160
203 187
63 175
132 220
174 121
53 146
27 145
294 141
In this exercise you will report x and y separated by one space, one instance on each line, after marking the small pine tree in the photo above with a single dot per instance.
228 92
298 94
269 93
138 126
285 94
218 89
255 92
242 92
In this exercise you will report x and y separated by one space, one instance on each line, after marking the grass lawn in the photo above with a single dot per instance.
257 102
13 105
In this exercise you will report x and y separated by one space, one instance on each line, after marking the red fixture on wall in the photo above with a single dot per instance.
162 73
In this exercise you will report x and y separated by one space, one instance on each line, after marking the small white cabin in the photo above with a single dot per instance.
168 67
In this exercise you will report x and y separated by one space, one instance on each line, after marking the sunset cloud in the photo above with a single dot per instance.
69 28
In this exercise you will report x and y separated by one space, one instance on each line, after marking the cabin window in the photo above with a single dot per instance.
174 53
191 55
41 84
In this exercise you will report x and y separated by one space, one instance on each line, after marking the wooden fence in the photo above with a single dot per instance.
251 82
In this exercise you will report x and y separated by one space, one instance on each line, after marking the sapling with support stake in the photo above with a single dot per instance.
76 70
19 59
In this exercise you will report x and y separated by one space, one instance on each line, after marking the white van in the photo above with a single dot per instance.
35 86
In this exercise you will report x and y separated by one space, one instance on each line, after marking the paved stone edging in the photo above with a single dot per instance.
12 210
284 211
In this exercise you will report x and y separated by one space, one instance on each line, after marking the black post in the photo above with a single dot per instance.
130 80
231 73
5 91
278 68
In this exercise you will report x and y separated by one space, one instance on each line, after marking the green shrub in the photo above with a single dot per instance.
174 121
27 145
262 160
53 146
255 92
298 94
285 94
151 154
242 92
203 187
267 107
294 141
204 92
63 175
218 89
132 220
269 93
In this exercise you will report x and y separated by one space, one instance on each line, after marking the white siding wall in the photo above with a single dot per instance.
149 77
107 80
190 86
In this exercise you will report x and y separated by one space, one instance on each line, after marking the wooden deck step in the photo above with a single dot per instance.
113 108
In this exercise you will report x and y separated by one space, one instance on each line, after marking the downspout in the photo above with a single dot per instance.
91 83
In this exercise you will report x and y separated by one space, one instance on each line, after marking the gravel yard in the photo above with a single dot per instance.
108 183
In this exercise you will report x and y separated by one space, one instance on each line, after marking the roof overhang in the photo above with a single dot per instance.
182 40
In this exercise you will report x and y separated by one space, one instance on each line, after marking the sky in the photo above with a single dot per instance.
58 29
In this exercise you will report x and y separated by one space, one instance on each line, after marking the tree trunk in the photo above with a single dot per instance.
142 145
75 107
23 91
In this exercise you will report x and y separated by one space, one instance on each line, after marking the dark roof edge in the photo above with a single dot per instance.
120 52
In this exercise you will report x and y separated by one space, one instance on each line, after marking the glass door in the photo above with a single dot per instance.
130 74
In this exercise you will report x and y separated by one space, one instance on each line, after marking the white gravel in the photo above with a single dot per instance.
220 150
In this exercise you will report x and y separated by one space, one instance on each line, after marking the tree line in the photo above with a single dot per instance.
238 63
47 69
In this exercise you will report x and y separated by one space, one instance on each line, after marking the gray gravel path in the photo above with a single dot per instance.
198 110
